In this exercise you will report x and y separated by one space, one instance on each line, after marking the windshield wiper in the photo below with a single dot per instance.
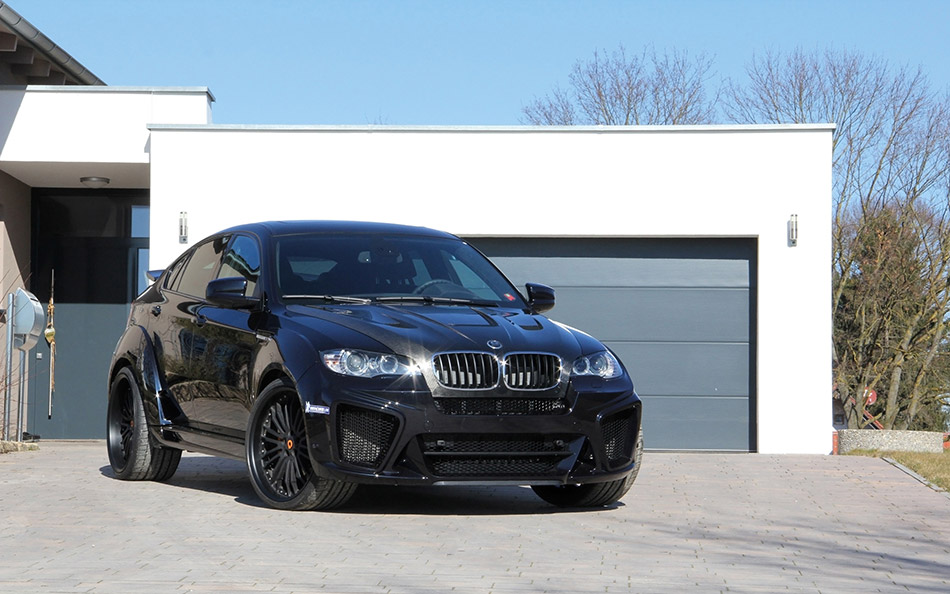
334 298
437 300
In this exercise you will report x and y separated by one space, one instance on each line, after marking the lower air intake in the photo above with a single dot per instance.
502 406
487 455
364 436
618 439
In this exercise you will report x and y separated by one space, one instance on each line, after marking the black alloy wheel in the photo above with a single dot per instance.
283 443
131 453
277 457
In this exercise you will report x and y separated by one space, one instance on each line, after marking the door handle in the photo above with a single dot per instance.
156 310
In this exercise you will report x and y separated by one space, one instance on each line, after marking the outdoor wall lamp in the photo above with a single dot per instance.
95 181
793 230
183 227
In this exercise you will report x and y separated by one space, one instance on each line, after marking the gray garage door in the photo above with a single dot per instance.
679 312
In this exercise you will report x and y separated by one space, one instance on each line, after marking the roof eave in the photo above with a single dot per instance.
45 46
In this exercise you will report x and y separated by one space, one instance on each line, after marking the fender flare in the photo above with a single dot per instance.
136 350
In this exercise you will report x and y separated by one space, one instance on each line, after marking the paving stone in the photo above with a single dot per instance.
707 522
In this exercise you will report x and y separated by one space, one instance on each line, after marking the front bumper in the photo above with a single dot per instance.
585 434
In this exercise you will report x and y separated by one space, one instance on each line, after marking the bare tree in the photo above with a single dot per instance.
891 195
891 234
622 90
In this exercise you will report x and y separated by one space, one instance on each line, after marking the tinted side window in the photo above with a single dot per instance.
199 270
174 273
243 259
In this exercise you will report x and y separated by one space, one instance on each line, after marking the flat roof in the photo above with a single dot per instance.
107 89
523 129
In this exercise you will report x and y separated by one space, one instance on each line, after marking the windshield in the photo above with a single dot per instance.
400 268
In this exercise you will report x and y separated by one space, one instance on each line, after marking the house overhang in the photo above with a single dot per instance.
33 58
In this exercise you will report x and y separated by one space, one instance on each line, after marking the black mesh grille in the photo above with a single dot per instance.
502 406
467 455
466 371
532 371
618 440
364 436
478 443
493 467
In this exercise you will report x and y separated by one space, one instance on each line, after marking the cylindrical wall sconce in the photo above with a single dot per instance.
183 227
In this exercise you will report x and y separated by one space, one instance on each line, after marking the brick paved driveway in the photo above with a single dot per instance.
700 522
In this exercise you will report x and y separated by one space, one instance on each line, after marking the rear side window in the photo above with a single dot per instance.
174 273
200 268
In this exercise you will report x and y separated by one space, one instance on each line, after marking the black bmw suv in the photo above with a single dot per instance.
329 354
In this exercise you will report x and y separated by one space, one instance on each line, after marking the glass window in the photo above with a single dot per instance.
93 240
174 273
141 268
379 266
200 269
243 259
139 223
468 278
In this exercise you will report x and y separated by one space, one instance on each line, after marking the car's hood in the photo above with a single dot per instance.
420 330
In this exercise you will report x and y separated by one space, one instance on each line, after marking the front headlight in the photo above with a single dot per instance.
601 364
366 363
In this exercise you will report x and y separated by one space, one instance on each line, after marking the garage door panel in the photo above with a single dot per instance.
626 272
686 369
678 311
707 315
685 423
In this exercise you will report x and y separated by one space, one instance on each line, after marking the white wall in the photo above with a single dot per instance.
50 136
623 182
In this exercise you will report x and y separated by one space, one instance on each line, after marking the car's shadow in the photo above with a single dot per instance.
230 478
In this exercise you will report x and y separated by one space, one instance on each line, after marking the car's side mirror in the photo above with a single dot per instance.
229 292
540 297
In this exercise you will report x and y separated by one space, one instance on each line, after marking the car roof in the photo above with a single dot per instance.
298 227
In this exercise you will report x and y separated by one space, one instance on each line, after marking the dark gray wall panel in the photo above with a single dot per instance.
685 423
686 369
708 315
86 334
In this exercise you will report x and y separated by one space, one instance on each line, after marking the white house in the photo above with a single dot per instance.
701 255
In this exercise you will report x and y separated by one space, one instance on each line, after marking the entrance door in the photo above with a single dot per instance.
95 241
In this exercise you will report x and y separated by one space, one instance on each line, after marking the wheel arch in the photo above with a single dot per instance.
270 375
136 352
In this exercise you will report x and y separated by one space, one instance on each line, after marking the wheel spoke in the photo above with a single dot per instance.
277 475
125 432
125 422
280 418
293 472
288 477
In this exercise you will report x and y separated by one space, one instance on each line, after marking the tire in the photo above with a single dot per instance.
131 453
278 459
594 494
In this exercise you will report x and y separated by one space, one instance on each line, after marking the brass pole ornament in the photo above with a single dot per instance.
50 335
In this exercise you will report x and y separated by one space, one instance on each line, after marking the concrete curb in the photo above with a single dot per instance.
914 475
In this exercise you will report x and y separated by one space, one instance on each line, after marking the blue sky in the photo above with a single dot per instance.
451 62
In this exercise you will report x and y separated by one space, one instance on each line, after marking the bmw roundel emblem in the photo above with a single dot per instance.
494 344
